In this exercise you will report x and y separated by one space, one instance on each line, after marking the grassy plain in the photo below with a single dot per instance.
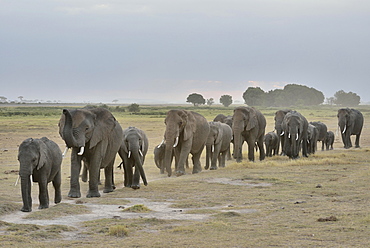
320 201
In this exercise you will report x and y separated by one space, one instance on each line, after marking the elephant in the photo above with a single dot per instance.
279 117
132 152
218 144
159 152
271 141
186 132
312 134
295 128
249 125
41 159
350 122
229 121
95 137
322 130
329 140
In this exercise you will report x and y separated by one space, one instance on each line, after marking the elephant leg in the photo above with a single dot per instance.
228 154
43 194
222 158
357 141
196 162
108 172
322 145
84 172
136 179
74 191
94 171
215 156
184 153
262 149
56 184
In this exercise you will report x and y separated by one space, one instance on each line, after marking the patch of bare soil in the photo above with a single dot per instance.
238 182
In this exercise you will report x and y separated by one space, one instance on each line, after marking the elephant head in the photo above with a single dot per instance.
345 119
84 126
32 155
135 147
244 120
295 128
180 127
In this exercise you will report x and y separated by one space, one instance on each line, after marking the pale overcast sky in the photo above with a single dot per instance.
164 50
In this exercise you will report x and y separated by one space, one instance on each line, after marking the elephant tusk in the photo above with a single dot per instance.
141 154
82 149
159 146
65 152
345 128
176 141
282 133
129 154
31 180
308 141
289 136
213 148
16 182
297 137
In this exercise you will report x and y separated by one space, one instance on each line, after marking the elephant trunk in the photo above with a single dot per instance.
139 159
238 142
68 134
208 155
26 193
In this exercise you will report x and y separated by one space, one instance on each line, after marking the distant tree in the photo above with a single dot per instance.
346 99
210 101
115 101
134 107
226 100
3 99
20 98
196 99
254 96
330 100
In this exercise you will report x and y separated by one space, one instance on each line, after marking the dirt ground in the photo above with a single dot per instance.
319 201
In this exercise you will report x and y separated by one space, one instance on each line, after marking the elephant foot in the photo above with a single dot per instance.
74 194
91 194
57 200
43 206
180 173
213 168
137 186
23 209
107 191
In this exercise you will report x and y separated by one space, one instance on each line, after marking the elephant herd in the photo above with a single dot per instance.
95 137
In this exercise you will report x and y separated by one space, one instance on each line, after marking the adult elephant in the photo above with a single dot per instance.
312 135
350 122
95 137
279 117
321 132
248 125
132 152
218 144
186 132
295 128
41 159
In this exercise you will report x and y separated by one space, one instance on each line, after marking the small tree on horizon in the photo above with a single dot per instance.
226 100
346 99
210 101
196 99
134 107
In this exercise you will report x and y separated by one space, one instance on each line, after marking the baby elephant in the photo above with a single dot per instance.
41 159
159 152
132 151
271 141
329 140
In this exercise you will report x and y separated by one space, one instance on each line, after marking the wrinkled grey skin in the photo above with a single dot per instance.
279 117
218 144
312 135
295 128
41 158
159 152
329 140
350 122
249 125
100 134
229 121
187 132
271 141
322 130
132 152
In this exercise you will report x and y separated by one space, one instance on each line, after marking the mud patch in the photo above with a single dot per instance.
238 182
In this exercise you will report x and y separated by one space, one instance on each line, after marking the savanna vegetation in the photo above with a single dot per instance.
319 201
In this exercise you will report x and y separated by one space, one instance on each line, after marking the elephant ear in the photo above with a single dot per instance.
253 122
104 123
189 128
220 134
43 154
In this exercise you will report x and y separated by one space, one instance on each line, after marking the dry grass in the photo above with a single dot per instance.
276 202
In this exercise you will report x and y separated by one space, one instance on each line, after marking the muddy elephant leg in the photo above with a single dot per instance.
108 172
74 191
43 194
56 184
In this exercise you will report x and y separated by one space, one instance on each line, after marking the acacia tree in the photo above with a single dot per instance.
226 100
196 99
346 99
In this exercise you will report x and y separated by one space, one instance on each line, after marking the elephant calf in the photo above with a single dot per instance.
271 141
41 158
329 140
